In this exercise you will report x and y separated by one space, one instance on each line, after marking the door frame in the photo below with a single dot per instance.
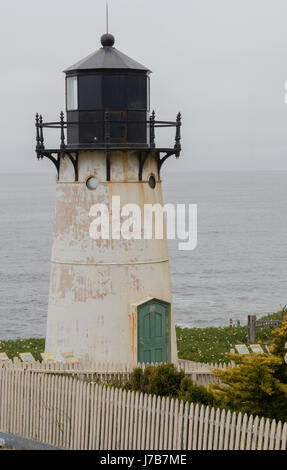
133 322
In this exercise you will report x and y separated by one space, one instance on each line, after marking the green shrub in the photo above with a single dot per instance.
195 393
258 384
253 387
165 380
280 339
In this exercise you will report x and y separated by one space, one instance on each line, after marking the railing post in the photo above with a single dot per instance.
38 143
42 147
251 328
63 145
152 129
178 135
107 128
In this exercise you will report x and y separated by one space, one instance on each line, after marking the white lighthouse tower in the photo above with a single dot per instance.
110 299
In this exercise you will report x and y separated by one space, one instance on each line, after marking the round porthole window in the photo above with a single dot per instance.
152 182
92 183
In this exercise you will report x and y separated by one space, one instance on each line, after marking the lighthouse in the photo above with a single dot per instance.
110 300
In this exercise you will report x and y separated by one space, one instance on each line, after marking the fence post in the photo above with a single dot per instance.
251 328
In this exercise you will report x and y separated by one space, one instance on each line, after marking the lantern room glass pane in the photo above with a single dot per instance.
72 93
90 92
114 91
137 92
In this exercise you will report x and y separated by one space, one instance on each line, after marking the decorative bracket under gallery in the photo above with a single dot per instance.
49 155
161 160
75 162
57 159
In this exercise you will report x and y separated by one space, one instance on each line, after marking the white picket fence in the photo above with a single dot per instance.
200 373
186 366
73 414
192 366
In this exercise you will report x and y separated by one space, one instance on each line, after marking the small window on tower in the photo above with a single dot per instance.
72 93
152 182
92 183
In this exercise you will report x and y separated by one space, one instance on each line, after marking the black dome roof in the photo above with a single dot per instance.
107 57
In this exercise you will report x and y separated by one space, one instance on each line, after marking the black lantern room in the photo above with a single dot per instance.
107 86
107 104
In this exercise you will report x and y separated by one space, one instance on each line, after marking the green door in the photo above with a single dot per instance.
153 332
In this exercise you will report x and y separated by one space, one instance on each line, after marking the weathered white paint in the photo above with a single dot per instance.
94 283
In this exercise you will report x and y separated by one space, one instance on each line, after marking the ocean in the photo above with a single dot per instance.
239 266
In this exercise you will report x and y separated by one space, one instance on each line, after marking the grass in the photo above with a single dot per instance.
211 344
32 345
195 344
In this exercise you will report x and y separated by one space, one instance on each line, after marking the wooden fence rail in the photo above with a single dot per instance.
185 365
73 414
200 373
253 324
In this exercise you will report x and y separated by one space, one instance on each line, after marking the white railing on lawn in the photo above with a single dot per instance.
186 366
192 365
201 373
74 414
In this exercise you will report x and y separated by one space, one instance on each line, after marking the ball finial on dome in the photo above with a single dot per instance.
107 40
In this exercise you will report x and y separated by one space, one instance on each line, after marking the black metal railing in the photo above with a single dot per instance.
63 125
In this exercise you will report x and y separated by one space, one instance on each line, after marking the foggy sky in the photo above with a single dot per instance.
222 63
